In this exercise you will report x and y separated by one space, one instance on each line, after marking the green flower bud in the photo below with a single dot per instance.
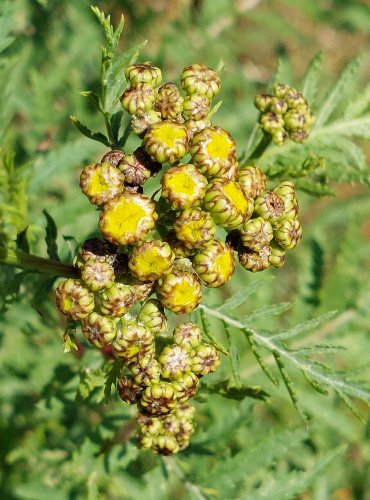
294 98
165 445
174 362
128 218
270 206
143 73
73 299
256 233
180 291
252 181
262 102
133 342
138 99
277 255
186 386
138 167
196 107
288 233
101 182
280 90
178 247
183 436
271 123
215 264
194 126
152 316
146 371
226 202
158 399
286 190
213 151
144 441
199 79
150 260
255 261
298 136
295 120
278 106
169 101
116 300
194 227
98 330
183 186
140 290
129 391
113 157
140 124
97 275
151 426
184 412
166 141
187 335
279 137
205 359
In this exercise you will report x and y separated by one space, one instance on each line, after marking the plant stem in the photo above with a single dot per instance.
16 258
259 149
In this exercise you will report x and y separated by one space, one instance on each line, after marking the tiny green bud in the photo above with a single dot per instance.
200 79
187 335
174 362
256 233
143 73
73 299
159 398
169 101
288 233
196 107
98 330
152 316
205 359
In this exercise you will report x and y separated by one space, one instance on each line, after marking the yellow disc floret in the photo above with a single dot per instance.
150 260
127 218
101 182
183 186
166 141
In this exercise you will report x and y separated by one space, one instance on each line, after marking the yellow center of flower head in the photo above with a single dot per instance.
98 183
181 181
151 263
183 293
127 218
220 143
224 264
191 231
68 304
235 195
168 133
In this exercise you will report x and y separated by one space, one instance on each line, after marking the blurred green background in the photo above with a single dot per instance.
54 445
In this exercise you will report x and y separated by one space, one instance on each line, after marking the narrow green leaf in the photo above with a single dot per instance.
239 297
69 337
303 327
98 136
234 355
51 236
259 358
359 105
317 349
210 337
310 79
289 386
265 312
317 387
346 400
334 97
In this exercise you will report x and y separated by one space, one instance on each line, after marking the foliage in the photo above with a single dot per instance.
64 431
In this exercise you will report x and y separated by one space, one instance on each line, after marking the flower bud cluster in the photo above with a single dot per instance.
157 254
284 114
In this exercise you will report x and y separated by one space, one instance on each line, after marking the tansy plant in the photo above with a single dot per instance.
177 214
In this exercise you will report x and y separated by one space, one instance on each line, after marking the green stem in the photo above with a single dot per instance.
16 258
259 149
125 136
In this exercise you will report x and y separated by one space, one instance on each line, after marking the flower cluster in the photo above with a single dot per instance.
284 114
158 253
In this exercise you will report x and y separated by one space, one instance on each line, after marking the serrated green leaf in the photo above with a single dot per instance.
358 105
333 98
22 241
237 393
51 237
310 79
95 136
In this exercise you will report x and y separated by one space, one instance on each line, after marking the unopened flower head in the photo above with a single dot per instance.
252 181
150 260
138 99
194 227
213 151
127 218
143 73
255 261
196 107
183 186
174 361
187 335
152 316
256 233
116 300
73 299
200 79
98 330
288 233
215 264
166 141
101 182
169 102
159 398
